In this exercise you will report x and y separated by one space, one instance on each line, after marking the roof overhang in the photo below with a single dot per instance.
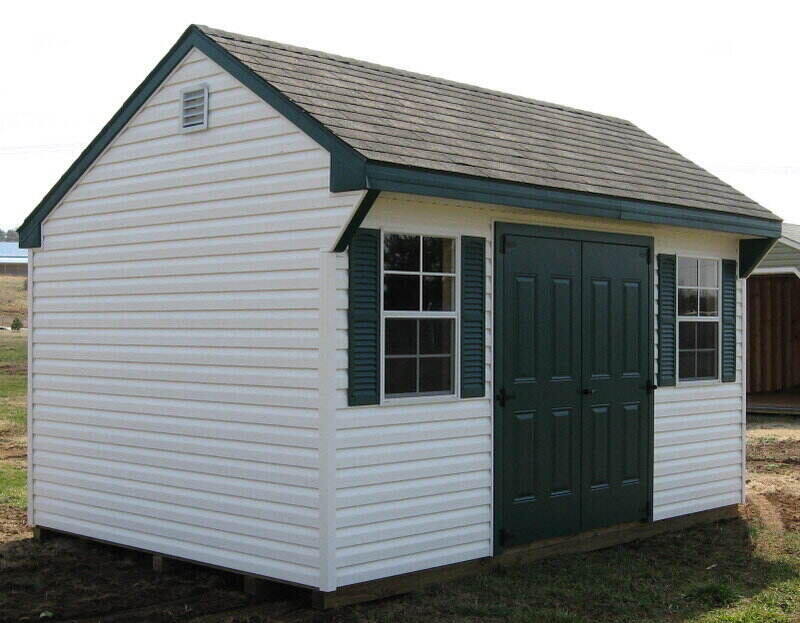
777 270
351 171
397 178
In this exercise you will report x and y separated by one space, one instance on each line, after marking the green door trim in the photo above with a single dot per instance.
539 231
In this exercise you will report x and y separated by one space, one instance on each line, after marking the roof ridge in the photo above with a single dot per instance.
412 74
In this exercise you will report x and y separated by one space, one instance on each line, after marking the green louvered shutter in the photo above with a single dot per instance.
728 307
667 326
363 319
473 317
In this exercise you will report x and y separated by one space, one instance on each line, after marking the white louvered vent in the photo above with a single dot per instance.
194 109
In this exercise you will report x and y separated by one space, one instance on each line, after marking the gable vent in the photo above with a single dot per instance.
194 109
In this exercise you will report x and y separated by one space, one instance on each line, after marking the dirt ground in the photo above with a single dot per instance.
66 579
773 469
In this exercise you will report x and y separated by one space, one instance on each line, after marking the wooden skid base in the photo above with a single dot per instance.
584 542
409 582
253 585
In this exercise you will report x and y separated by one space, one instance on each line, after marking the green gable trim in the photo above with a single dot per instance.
347 165
728 308
364 318
473 316
667 320
751 252
355 221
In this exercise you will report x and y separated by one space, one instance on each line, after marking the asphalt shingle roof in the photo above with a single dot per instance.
395 116
792 232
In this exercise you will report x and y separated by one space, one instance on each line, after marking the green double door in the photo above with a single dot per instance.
573 385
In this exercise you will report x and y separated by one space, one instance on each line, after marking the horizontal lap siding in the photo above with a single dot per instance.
175 351
699 452
414 481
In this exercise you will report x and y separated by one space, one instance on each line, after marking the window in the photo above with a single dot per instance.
194 109
698 319
419 315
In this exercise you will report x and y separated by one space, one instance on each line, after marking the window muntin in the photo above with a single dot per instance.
419 315
698 319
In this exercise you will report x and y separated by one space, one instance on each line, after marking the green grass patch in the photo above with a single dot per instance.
13 351
13 416
13 486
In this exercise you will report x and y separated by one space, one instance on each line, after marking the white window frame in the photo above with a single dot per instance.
201 126
454 314
716 318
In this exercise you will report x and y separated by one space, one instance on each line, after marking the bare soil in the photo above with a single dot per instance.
773 470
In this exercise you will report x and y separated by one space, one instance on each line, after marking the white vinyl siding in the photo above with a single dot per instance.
414 481
175 361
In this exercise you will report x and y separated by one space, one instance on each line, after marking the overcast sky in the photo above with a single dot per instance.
717 81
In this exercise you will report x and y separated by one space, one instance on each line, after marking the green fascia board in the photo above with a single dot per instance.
751 252
398 178
347 165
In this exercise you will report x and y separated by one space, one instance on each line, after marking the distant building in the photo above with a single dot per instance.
13 260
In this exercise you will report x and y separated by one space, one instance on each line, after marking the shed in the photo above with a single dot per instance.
773 302
13 260
322 321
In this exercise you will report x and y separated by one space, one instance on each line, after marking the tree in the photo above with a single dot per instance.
16 324
12 235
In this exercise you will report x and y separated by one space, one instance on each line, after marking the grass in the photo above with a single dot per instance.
13 420
13 383
13 300
13 486
729 572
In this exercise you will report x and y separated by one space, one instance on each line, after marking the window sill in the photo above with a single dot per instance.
700 383
423 400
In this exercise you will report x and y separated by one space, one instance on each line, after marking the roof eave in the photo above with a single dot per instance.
381 176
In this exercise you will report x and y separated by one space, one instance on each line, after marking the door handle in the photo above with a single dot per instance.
588 392
502 396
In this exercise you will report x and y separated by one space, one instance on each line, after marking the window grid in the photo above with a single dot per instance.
695 320
421 314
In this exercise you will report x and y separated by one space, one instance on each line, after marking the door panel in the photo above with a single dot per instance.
617 323
541 313
575 361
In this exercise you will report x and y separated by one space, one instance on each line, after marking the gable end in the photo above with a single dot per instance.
347 165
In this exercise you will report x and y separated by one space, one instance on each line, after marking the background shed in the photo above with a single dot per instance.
773 302
13 260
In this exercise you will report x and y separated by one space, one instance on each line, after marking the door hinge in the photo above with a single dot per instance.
505 243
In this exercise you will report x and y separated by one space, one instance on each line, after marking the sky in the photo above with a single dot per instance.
716 81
